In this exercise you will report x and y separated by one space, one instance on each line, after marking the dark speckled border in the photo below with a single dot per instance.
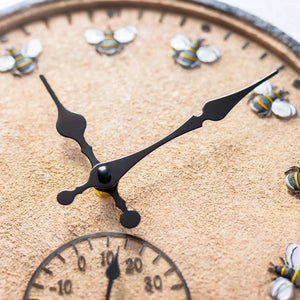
256 21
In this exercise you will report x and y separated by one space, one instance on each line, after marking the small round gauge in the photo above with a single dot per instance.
107 265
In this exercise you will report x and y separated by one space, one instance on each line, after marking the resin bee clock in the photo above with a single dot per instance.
212 203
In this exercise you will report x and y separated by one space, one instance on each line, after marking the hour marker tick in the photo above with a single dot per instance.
126 243
48 271
75 249
156 259
263 55
227 35
90 244
183 21
176 287
60 258
38 286
168 272
245 45
142 249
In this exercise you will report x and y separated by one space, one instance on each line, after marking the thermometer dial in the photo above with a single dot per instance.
112 266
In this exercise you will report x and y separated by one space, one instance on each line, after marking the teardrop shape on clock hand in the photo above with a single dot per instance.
71 125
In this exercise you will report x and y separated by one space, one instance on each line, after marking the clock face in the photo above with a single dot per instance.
214 199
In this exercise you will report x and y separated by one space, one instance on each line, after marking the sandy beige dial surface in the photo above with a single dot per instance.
214 199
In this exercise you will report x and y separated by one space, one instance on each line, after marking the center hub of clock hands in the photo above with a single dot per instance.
106 176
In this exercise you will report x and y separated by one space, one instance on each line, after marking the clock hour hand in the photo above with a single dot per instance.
71 125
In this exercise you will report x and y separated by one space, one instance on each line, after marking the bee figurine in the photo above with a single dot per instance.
267 100
21 61
292 180
110 42
189 55
283 287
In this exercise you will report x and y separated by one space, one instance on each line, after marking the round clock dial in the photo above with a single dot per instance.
214 199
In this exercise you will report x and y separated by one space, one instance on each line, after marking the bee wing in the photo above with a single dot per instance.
180 42
282 289
283 109
264 88
94 36
132 28
125 34
32 48
7 63
208 54
292 256
293 109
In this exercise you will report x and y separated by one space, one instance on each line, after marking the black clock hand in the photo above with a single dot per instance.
106 176
112 273
71 125
214 110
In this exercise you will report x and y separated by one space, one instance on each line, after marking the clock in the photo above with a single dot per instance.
213 199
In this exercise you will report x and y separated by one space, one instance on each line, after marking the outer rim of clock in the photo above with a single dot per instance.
186 7
48 9
103 234
254 20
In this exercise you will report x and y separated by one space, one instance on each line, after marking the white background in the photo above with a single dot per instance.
284 14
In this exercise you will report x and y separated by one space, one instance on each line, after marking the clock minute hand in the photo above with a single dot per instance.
71 125
213 110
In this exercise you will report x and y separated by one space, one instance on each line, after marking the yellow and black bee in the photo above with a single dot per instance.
267 100
262 103
110 42
190 54
290 274
21 61
292 180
